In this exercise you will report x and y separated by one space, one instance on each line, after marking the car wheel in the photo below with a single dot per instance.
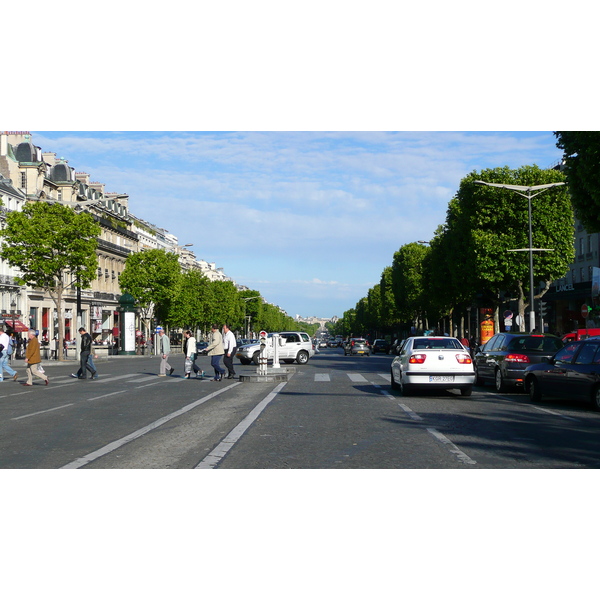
393 382
405 389
535 395
500 385
245 361
466 391
256 358
596 397
302 357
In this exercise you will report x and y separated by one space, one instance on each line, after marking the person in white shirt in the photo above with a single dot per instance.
229 345
191 353
4 366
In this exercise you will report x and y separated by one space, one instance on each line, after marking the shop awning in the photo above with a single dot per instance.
15 325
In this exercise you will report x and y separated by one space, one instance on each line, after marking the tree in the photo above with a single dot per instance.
226 305
152 277
582 169
191 305
487 223
54 248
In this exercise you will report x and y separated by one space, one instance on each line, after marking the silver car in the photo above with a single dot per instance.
357 346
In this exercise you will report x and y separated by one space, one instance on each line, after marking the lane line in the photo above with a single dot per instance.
551 412
106 395
84 460
41 412
213 458
460 455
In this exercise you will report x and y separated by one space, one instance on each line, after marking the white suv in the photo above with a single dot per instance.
297 347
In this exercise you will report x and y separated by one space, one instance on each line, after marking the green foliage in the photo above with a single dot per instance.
45 241
153 278
582 169
408 281
191 305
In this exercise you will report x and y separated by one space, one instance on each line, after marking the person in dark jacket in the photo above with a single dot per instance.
84 354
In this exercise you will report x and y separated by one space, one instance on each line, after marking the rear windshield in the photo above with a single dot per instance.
535 344
438 344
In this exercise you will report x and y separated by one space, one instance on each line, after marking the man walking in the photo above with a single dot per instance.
33 358
84 355
5 343
215 351
164 349
229 346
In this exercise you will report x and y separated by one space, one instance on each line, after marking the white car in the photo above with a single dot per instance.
433 363
297 347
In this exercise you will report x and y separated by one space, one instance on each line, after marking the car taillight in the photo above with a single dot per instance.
353 343
517 358
464 359
417 359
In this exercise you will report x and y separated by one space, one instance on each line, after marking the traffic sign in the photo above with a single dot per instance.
508 314
584 310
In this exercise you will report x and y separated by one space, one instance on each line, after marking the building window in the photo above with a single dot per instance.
590 273
573 276
589 243
582 274
23 179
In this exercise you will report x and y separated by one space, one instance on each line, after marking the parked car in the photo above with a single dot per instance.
573 372
380 346
432 363
502 359
201 348
395 346
297 347
357 346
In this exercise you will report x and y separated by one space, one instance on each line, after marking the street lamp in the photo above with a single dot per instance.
13 308
248 317
529 192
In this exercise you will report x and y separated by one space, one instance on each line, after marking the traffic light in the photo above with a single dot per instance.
543 308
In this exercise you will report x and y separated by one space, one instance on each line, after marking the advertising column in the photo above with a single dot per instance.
486 325
127 321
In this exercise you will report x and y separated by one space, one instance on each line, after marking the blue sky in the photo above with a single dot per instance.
310 219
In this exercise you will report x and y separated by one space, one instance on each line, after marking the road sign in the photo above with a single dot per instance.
508 314
584 310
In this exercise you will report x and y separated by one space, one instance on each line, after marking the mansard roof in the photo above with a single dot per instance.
26 152
61 172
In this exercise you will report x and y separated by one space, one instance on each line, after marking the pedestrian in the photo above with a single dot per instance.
190 355
215 351
33 358
164 349
91 364
5 351
84 354
229 347
53 346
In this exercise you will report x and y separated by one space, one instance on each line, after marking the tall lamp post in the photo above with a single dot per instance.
248 323
529 192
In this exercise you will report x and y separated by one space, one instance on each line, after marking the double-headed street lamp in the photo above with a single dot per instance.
529 192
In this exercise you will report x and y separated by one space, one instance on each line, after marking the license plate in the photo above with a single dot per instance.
441 378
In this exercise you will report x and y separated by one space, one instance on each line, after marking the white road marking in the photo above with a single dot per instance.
41 412
413 415
216 455
84 460
462 457
356 378
554 413
386 376
106 395
322 377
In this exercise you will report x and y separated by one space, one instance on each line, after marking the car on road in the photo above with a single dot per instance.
358 346
322 344
380 346
432 362
502 360
297 347
201 348
573 373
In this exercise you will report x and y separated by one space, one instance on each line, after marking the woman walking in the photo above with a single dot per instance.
190 355
215 350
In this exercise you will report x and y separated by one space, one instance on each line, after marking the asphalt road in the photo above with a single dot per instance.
336 412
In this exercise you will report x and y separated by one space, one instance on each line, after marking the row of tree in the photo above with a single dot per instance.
471 260
189 300
54 249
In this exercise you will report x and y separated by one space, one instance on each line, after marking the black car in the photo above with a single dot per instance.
573 372
503 359
380 346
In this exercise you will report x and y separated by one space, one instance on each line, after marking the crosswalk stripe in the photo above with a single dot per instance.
322 377
356 377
